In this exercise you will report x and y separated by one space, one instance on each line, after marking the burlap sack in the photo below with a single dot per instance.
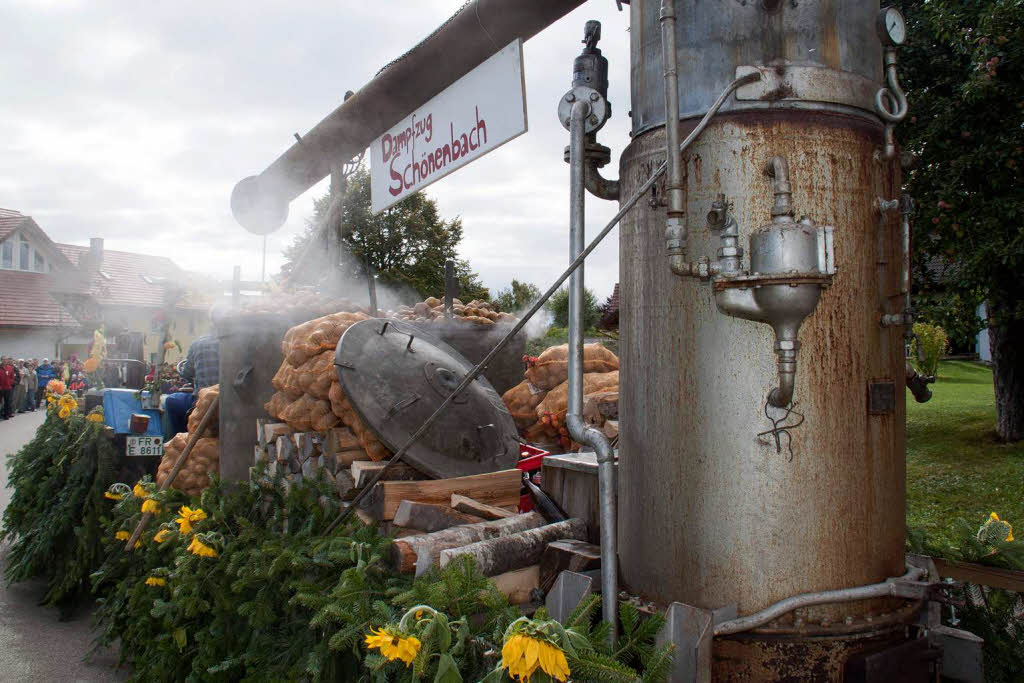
206 397
194 476
306 341
551 368
522 401
552 409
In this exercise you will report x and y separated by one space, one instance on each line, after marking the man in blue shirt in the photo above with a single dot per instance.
202 364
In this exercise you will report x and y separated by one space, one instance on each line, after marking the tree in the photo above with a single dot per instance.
407 244
517 296
963 68
558 306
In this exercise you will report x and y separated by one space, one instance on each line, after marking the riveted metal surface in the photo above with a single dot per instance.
395 375
736 521
713 39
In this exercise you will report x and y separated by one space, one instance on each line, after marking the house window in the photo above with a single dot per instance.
24 255
7 256
40 264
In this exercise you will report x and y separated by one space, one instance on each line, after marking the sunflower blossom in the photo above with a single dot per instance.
197 547
112 496
996 529
187 517
94 417
161 535
64 413
151 506
156 581
522 655
139 491
394 645
122 535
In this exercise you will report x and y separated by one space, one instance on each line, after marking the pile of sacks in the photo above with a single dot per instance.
308 395
432 310
539 403
205 456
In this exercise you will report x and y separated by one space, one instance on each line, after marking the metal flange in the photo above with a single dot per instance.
599 109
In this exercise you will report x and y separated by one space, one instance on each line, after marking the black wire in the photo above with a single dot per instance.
780 429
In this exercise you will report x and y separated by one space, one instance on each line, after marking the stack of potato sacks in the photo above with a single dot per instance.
539 403
432 311
309 396
205 456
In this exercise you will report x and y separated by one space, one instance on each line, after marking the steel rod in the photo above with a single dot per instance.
537 305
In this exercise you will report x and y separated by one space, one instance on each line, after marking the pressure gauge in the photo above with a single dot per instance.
892 27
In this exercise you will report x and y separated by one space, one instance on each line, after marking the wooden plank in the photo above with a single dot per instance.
968 572
498 555
342 439
285 449
421 553
429 518
272 430
475 507
495 488
518 585
568 555
364 470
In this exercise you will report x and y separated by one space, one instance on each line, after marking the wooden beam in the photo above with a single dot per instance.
569 555
969 572
429 518
499 555
495 488
475 507
364 470
421 553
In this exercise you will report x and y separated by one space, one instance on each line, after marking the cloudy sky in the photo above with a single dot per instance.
132 121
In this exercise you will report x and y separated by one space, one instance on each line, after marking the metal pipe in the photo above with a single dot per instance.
676 234
539 303
599 186
890 587
475 32
778 169
906 209
578 430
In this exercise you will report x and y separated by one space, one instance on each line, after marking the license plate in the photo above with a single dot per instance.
145 445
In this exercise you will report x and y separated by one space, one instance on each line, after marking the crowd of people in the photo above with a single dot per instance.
23 382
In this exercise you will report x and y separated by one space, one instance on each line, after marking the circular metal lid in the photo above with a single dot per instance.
395 376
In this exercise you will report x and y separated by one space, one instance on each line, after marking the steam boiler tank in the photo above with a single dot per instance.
745 503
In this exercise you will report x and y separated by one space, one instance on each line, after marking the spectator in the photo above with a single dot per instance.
44 373
21 388
33 385
77 383
8 375
202 364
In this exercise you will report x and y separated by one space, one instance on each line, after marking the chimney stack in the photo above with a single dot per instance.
96 250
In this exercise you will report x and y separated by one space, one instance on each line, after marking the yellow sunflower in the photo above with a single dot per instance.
522 654
162 535
139 491
394 645
187 517
122 535
64 413
151 506
197 547
112 496
94 417
156 581
998 528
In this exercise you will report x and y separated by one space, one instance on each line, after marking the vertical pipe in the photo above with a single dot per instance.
574 415
674 186
906 208
371 285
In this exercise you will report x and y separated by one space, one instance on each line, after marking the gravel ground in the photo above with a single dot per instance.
34 645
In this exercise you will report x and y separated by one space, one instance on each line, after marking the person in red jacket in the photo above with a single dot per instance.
8 380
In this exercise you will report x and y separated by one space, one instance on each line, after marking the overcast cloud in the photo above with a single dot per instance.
133 121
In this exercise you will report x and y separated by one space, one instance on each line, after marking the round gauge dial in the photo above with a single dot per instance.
892 26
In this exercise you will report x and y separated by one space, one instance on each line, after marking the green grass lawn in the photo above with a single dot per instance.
955 465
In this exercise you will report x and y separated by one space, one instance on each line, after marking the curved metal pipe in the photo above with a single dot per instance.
890 587
574 414
599 186
778 169
475 32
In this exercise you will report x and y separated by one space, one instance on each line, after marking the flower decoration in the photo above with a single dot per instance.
122 535
112 496
142 489
187 517
91 365
162 535
64 413
150 506
523 654
156 581
94 417
394 644
198 547
995 530
55 386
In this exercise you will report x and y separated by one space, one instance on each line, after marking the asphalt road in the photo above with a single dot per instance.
34 645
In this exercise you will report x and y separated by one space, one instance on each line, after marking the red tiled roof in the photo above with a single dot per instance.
9 222
119 279
25 301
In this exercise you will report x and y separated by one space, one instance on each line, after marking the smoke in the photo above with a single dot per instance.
539 324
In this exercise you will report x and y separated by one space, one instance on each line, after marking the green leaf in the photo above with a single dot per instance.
447 671
180 638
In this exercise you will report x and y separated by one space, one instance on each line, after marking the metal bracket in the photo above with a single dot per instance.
569 590
691 630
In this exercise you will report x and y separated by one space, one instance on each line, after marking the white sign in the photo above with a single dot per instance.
136 446
474 115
